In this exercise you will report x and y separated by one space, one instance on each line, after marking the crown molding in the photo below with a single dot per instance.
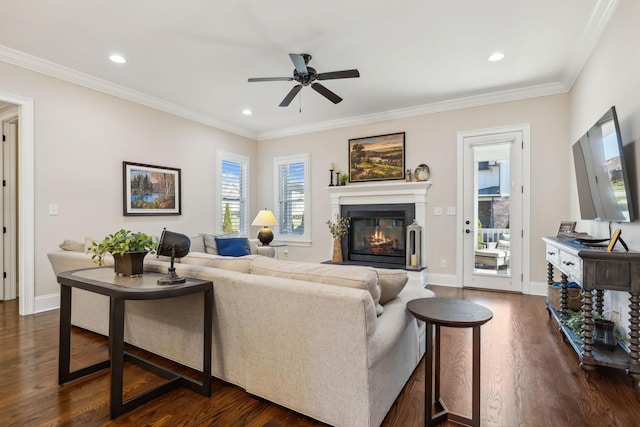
436 107
596 26
49 68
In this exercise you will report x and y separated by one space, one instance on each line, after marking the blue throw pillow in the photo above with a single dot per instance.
233 246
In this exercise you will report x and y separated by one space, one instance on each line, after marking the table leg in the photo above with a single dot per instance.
116 346
64 349
428 375
475 400
208 330
634 337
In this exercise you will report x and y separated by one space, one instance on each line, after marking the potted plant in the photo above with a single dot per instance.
338 229
128 250
343 179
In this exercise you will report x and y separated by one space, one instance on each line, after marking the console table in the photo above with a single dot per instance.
595 269
119 289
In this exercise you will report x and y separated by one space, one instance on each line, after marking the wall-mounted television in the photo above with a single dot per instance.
603 184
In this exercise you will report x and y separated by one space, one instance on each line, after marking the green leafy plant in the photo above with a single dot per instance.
339 228
343 179
120 242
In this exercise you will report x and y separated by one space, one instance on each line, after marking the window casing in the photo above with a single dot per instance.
292 205
233 187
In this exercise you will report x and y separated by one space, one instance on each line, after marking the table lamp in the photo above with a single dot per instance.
265 219
173 245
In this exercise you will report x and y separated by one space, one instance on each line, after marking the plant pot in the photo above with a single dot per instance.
337 251
603 334
129 264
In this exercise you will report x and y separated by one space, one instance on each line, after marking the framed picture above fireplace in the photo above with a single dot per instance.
376 158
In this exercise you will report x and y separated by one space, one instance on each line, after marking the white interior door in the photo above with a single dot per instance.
492 217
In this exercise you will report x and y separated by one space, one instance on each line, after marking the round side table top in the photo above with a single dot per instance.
449 312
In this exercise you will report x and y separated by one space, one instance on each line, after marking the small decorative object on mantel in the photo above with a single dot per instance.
128 250
422 172
331 175
338 230
343 179
407 176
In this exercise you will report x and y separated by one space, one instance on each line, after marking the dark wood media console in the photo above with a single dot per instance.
597 270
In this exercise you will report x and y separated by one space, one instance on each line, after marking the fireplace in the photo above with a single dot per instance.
388 194
377 235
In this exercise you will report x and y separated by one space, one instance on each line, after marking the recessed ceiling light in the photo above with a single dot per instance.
118 59
495 57
246 112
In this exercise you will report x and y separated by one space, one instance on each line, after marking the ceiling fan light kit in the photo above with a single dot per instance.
307 76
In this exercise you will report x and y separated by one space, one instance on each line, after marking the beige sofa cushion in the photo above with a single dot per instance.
340 275
239 264
71 245
392 282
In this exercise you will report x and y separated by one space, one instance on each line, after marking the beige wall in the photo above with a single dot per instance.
611 77
81 139
432 139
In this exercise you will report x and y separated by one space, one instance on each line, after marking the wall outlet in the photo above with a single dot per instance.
443 263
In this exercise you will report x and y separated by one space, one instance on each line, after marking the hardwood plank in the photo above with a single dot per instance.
530 377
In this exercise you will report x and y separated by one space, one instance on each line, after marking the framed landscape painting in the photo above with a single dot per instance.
151 190
376 158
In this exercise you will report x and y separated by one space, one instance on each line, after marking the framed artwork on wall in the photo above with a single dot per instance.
377 158
151 190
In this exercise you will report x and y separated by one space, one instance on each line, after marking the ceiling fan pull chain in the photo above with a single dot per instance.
300 105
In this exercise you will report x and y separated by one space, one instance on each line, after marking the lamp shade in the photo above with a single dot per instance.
265 219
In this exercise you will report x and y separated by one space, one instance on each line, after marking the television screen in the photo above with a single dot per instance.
603 186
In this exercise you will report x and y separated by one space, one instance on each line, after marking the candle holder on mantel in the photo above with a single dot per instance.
338 177
414 246
330 177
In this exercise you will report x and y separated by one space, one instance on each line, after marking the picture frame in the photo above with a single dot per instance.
566 227
151 190
614 239
377 158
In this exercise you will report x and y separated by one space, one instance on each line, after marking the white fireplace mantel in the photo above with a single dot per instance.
385 193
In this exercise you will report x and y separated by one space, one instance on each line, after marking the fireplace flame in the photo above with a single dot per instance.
378 241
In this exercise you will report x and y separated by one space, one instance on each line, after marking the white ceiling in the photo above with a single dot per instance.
193 57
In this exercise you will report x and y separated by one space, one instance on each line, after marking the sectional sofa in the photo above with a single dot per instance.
333 342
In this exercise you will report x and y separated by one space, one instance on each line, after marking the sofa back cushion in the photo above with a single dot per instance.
338 275
239 264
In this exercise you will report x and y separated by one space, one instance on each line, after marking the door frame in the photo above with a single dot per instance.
10 119
26 202
525 130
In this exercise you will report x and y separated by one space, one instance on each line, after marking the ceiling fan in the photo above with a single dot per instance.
306 76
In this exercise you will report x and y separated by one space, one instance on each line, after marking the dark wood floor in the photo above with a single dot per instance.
530 377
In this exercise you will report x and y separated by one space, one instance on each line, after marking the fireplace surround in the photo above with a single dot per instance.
386 193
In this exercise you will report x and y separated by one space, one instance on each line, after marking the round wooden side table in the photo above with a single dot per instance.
452 313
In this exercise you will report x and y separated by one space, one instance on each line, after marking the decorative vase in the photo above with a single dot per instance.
337 251
604 336
129 264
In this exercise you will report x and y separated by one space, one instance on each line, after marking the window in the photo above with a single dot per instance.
292 204
233 185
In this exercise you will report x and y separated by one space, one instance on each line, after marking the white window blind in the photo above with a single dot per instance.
232 212
292 197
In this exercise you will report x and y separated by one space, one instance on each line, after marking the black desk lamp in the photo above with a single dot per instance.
173 245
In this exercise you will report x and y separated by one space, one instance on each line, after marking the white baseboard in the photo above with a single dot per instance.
47 303
538 288
441 279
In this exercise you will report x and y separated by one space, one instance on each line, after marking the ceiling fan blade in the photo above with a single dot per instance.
292 94
299 63
326 93
270 79
344 74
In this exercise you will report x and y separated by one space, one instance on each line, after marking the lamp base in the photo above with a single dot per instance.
265 235
171 278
